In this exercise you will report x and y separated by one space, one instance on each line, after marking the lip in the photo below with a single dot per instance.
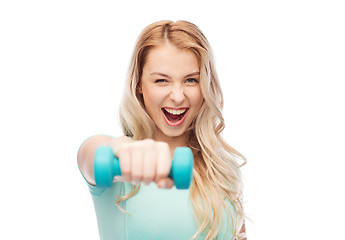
176 123
176 108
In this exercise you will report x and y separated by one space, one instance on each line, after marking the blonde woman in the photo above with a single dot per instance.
172 98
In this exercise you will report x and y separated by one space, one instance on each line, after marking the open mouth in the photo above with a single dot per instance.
174 117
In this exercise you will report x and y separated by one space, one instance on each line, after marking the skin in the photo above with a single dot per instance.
170 79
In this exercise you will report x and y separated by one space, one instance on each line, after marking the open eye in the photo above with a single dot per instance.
192 80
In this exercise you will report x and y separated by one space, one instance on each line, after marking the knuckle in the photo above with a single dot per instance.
148 178
161 175
124 148
136 175
148 142
125 172
162 145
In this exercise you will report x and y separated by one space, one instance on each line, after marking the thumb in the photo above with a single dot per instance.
165 183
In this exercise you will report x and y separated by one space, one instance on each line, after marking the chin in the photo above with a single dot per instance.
173 132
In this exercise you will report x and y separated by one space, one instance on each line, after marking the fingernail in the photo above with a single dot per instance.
163 185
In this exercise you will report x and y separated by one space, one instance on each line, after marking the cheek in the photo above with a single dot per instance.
152 97
197 98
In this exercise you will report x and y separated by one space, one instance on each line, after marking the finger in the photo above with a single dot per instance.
125 162
136 165
165 183
163 161
149 166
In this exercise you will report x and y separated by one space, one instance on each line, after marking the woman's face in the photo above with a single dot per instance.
170 88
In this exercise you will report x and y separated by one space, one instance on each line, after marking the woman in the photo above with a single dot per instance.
172 99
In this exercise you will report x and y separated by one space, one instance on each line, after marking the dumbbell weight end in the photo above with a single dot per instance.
106 166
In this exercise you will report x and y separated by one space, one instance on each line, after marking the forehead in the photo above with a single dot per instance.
169 59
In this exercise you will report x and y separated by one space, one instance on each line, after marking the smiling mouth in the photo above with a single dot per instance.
174 117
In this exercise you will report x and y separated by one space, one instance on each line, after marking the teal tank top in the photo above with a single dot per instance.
154 214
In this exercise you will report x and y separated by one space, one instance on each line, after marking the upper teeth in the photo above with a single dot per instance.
175 112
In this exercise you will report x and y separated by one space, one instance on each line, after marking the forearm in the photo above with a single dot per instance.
87 151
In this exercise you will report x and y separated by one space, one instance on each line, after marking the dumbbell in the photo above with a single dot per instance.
107 166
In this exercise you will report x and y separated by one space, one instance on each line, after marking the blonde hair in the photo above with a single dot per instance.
217 174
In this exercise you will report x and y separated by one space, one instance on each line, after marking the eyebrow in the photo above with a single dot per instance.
167 76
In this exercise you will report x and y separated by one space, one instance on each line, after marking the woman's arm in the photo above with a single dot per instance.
87 151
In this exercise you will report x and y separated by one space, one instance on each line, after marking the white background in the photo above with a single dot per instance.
281 66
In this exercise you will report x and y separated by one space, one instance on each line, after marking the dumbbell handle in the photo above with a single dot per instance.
106 166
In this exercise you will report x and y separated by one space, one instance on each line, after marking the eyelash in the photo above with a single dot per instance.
160 80
163 80
194 80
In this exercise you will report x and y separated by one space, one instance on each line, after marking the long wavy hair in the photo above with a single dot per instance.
217 173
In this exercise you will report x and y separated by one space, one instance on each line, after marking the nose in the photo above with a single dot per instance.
177 94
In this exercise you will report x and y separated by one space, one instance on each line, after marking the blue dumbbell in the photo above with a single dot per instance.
107 166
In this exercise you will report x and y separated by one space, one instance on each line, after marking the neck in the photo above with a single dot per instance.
172 141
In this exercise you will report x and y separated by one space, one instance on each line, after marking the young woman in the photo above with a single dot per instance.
172 98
